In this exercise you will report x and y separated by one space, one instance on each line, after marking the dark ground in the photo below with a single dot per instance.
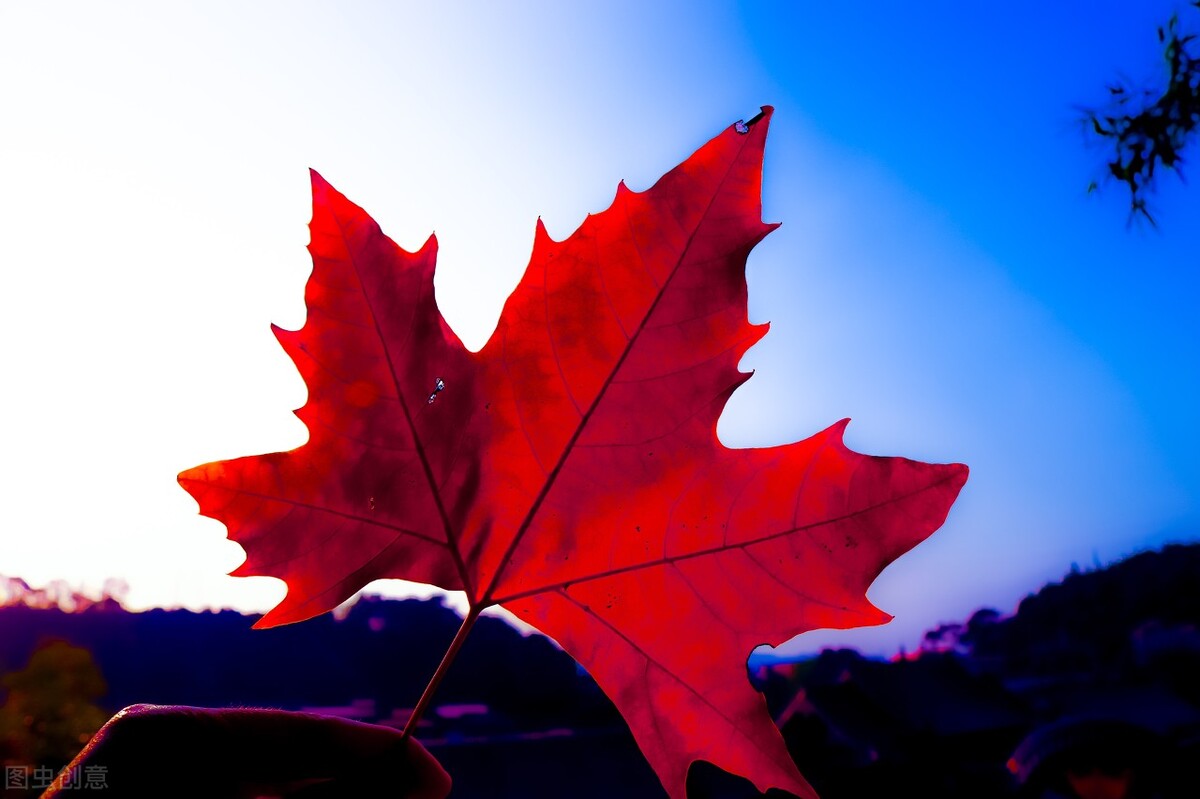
1093 685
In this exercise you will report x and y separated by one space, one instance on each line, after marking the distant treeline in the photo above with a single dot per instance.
519 718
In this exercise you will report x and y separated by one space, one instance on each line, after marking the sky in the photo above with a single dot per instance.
941 275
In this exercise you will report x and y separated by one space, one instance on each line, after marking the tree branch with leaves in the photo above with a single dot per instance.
1150 129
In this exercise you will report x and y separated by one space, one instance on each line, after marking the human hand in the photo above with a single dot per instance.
164 750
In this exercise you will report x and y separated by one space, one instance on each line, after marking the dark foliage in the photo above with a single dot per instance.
1121 644
1149 130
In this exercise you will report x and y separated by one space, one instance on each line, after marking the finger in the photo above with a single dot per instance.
272 746
185 751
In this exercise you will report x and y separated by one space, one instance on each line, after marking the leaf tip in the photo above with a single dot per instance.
759 331
764 115
273 617
192 480
317 181
285 612
541 237
290 341
958 474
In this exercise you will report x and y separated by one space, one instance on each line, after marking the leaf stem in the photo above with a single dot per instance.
460 637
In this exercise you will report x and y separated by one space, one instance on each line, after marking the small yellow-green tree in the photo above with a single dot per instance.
50 711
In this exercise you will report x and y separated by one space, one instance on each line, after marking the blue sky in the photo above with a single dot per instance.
941 275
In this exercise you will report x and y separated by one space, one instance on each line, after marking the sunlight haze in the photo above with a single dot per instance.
941 276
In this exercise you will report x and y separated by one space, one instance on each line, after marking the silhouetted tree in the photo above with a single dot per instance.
1151 128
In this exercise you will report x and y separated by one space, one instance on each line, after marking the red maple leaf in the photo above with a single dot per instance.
570 470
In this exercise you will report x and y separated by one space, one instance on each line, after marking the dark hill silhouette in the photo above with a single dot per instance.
983 709
1111 649
513 717
383 650
1092 619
